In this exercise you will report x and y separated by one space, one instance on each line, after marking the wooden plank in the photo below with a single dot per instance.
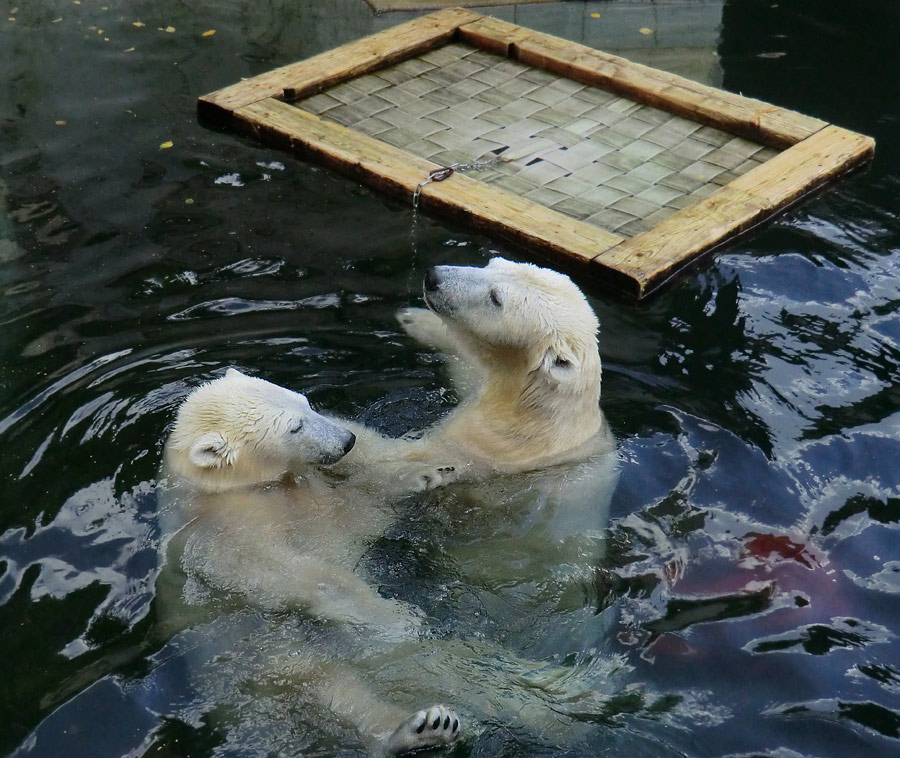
753 119
648 260
461 198
334 66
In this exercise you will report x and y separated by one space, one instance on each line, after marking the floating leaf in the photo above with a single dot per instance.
138 24
645 30
595 15
189 201
128 50
169 29
60 123
208 33
166 145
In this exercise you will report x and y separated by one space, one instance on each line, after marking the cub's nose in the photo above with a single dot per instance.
432 279
351 441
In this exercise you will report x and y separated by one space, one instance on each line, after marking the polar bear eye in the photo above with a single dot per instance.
495 298
562 363
296 426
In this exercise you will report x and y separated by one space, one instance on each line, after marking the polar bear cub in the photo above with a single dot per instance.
526 360
247 513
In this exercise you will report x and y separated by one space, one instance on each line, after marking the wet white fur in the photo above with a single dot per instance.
248 513
524 341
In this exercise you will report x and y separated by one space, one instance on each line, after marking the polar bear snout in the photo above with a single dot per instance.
334 440
448 289
432 279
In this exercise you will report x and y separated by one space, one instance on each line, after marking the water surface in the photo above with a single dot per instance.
751 584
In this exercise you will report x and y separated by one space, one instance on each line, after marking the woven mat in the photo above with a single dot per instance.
577 149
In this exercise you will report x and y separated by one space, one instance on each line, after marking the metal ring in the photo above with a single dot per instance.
439 174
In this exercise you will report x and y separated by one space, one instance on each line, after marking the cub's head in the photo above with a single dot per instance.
512 312
239 430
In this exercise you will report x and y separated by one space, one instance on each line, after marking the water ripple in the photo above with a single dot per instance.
235 306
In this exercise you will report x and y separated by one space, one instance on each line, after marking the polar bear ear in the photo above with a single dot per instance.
212 450
233 373
561 365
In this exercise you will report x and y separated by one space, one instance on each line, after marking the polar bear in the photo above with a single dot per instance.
534 463
524 345
247 514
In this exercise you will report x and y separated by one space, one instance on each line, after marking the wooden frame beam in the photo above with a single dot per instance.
814 152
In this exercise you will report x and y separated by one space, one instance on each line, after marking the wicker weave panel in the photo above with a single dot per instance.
577 149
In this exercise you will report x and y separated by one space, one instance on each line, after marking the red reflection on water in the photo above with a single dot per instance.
774 548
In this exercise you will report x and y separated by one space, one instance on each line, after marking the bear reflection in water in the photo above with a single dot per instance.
270 508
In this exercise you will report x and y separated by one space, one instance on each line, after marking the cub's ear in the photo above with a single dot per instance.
233 373
559 364
212 450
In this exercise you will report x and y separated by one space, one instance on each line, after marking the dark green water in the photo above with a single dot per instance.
752 582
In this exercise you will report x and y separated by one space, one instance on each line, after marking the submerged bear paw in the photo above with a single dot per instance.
433 478
433 727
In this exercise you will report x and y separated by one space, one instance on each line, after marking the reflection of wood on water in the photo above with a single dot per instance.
774 572
637 233
770 548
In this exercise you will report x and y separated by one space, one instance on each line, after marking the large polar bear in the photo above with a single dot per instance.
249 515
524 342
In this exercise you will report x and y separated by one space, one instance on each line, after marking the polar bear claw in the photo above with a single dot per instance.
432 727
424 478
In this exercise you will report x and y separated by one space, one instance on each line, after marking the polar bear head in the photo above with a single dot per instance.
239 430
518 316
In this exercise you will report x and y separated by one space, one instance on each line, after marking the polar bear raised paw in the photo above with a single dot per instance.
433 727
425 327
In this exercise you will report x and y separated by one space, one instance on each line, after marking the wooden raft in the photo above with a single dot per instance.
622 169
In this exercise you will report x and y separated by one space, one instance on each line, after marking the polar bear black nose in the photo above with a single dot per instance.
432 279
351 441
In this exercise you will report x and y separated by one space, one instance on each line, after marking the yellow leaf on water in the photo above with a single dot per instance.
595 15
128 50
138 24
60 123
645 30
208 33
166 145
169 29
